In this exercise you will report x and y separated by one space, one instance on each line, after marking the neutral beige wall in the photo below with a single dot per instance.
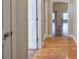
75 19
72 18
60 0
60 7
48 17
21 29
70 11
43 17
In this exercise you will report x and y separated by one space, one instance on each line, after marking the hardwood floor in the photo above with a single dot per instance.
57 48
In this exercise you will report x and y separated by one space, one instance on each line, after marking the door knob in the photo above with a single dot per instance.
7 34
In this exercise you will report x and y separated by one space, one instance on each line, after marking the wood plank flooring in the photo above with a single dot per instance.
56 48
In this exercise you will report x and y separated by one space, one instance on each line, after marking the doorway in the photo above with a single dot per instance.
60 19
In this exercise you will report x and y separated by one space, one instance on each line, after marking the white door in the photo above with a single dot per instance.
6 41
32 35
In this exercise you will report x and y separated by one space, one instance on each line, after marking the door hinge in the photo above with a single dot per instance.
36 18
37 43
11 32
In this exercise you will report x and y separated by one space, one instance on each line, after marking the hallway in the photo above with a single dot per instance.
31 32
53 18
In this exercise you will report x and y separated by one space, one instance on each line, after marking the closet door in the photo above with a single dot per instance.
6 41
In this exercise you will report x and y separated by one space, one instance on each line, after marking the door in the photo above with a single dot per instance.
32 30
6 40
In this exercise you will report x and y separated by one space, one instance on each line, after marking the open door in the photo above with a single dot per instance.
6 40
